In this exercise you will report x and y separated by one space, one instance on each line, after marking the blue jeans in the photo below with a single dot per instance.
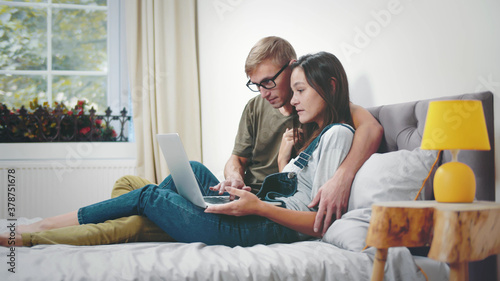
186 222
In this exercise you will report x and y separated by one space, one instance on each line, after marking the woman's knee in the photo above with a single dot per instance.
199 168
197 165
128 183
204 177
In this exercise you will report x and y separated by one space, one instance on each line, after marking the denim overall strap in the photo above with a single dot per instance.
304 156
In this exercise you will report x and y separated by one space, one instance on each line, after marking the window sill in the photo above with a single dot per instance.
68 151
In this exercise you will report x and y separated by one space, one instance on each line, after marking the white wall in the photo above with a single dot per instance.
393 51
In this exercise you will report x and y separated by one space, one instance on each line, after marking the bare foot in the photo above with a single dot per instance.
68 219
11 239
33 227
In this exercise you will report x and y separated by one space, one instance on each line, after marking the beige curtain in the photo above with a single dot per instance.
163 68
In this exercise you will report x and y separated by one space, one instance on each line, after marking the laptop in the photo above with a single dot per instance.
182 174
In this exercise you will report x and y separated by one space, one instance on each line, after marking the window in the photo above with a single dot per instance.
62 51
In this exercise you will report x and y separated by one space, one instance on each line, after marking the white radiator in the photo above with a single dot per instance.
46 188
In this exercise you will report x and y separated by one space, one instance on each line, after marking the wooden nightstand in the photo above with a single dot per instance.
456 233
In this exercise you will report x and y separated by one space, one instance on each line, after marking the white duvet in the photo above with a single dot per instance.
308 260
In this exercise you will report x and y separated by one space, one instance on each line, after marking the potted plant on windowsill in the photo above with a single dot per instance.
42 123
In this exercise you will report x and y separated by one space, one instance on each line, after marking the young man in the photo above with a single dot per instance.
262 125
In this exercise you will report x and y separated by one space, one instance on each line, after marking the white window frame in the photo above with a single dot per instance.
116 72
117 93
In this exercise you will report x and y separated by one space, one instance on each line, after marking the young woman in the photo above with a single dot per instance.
321 100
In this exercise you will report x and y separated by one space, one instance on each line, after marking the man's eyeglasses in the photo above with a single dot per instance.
266 83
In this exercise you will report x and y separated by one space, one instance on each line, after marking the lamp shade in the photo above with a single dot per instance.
455 124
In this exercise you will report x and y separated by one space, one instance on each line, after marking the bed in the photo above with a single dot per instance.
338 256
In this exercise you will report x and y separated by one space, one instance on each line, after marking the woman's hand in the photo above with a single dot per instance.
287 143
248 204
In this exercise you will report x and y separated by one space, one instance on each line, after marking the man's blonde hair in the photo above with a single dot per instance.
276 49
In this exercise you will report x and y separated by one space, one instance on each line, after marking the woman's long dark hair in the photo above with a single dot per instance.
320 69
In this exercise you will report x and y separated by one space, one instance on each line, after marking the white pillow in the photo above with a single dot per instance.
349 232
392 176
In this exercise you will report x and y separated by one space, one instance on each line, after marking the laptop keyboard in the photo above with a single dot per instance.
216 199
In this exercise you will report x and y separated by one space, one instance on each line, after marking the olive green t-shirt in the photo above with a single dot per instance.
259 137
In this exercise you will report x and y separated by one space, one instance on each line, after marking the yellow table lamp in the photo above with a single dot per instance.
455 125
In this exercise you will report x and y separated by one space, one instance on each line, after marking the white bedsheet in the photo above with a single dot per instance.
308 260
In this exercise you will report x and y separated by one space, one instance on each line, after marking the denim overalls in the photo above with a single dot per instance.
285 184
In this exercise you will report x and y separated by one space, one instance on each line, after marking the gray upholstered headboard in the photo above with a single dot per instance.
403 128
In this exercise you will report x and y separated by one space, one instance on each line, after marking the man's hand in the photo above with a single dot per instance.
234 171
333 198
228 183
